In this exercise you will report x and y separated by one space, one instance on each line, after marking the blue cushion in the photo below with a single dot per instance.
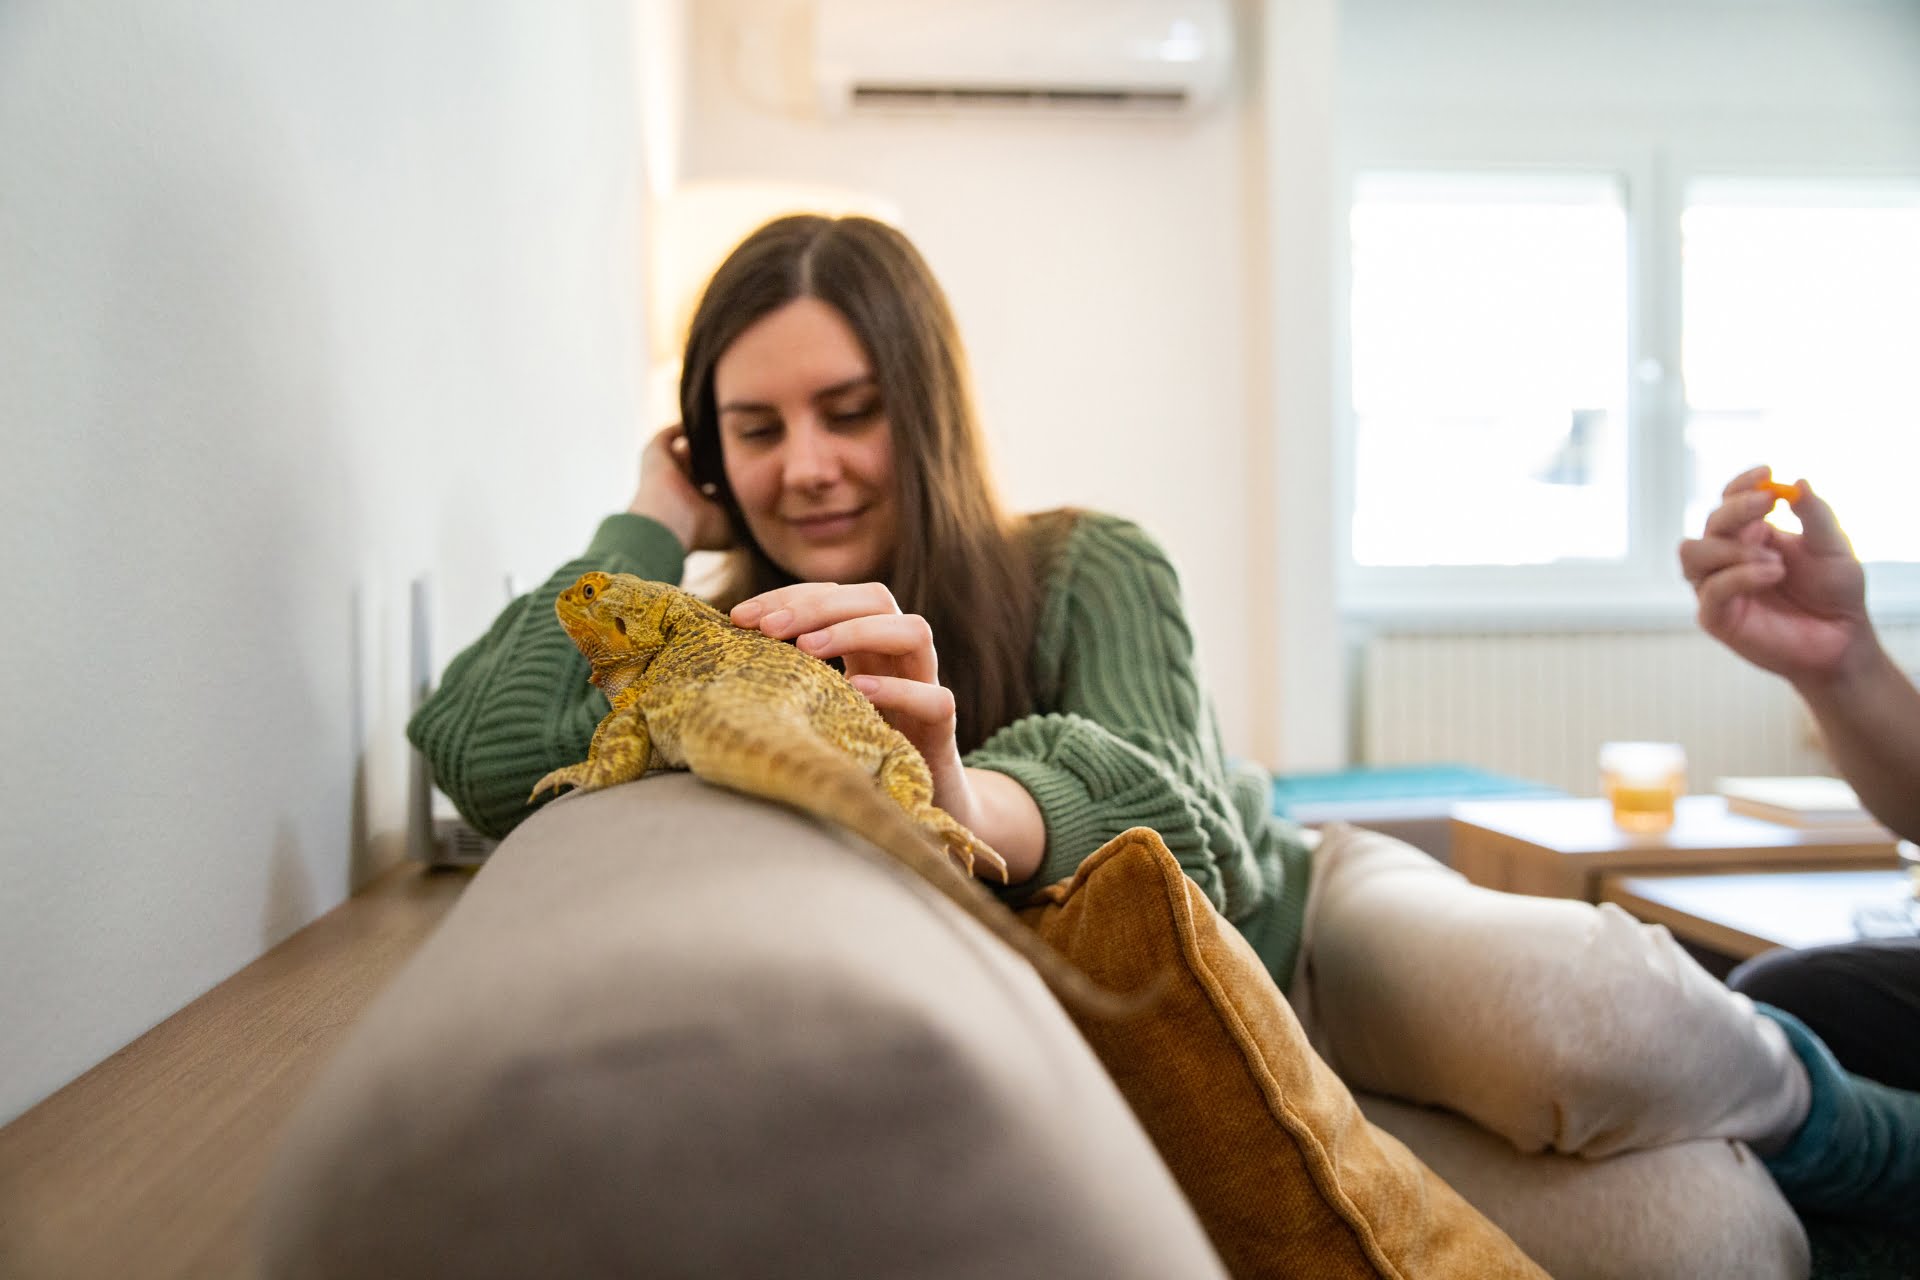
1397 785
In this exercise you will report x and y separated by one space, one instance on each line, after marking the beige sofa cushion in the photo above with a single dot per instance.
671 1031
1704 1207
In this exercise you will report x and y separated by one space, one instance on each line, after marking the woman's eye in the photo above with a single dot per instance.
855 414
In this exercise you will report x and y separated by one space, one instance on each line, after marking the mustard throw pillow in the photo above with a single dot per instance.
1286 1175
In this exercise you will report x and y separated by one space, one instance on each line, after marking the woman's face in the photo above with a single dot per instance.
807 446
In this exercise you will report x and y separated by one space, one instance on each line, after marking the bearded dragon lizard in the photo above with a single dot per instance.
691 690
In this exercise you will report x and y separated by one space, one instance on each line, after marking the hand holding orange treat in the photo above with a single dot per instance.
1790 602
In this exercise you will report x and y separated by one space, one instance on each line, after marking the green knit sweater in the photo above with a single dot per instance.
1125 735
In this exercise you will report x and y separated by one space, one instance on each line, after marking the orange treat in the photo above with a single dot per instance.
1785 492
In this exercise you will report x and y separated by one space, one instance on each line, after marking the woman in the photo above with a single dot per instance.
1045 669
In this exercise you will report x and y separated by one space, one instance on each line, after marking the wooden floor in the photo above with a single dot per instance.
147 1166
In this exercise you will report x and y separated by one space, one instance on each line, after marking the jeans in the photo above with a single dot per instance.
1862 998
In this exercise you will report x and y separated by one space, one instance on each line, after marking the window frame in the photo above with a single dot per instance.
1654 173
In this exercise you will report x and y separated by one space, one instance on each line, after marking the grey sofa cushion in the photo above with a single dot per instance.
669 1031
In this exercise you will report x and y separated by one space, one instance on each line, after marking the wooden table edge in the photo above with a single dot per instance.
1711 934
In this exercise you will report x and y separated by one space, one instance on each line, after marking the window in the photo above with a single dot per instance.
1554 374
1489 369
1801 346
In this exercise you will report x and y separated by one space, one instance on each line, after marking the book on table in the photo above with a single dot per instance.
1807 801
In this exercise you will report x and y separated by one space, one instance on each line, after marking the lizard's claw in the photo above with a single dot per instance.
574 775
972 848
962 845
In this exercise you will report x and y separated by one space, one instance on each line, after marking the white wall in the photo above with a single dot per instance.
299 301
1098 266
1678 66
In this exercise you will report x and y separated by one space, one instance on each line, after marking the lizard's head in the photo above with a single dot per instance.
610 617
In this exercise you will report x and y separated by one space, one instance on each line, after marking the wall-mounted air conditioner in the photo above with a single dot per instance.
1154 55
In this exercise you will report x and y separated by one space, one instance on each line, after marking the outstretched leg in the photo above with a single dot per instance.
1559 1025
1563 1026
1858 1154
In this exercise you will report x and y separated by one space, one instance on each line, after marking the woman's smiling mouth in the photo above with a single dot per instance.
827 526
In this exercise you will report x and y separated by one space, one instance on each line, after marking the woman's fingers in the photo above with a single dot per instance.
856 622
668 494
904 639
786 612
899 698
667 448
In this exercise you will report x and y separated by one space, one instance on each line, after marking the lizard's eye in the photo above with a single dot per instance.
620 625
586 592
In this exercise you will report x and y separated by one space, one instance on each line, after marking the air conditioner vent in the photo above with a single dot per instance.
910 96
1164 57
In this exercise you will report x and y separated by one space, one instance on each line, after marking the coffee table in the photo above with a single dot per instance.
1560 848
1743 915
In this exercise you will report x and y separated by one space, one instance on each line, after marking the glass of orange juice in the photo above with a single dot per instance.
1643 780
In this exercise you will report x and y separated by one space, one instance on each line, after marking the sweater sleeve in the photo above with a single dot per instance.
1130 739
515 704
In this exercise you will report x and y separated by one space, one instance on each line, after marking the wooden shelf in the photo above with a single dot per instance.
148 1164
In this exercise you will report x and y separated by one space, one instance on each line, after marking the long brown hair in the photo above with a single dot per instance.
961 563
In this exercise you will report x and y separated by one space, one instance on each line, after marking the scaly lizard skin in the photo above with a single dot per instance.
691 690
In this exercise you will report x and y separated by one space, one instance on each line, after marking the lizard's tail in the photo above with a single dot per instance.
784 761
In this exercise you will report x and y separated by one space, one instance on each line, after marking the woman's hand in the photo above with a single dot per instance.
667 494
889 656
1794 604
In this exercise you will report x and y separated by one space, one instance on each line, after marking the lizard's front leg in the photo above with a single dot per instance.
619 753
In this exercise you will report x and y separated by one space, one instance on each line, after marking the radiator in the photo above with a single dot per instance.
1538 704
